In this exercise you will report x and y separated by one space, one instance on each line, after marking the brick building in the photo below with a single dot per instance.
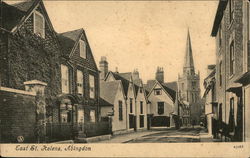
231 30
31 50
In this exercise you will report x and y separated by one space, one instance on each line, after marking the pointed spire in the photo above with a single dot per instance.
188 61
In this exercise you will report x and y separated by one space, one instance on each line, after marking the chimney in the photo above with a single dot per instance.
103 66
159 75
135 75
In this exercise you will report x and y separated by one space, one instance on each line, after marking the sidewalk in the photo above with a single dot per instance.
127 137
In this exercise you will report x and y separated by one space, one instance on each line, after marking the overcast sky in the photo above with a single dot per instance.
142 34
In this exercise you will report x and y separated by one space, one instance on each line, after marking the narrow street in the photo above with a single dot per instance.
171 135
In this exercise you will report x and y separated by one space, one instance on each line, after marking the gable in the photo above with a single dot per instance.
110 77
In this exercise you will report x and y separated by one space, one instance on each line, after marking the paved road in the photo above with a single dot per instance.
170 136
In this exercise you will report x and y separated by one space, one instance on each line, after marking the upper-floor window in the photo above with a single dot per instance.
141 106
79 82
232 58
120 110
231 10
220 36
65 78
193 84
39 24
92 115
157 91
91 86
182 86
82 47
131 104
160 108
220 73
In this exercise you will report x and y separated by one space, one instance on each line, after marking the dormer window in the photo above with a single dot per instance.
157 91
39 24
82 47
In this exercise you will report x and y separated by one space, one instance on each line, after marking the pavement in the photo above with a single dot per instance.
163 135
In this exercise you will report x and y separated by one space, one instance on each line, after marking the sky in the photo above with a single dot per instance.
142 34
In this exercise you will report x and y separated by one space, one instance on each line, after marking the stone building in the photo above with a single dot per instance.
231 30
189 86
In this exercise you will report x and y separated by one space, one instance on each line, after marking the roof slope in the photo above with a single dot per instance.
108 91
68 39
124 81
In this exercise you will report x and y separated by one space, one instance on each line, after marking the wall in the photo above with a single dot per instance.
130 95
141 97
17 115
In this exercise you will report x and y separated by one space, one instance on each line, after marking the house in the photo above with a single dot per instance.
189 85
136 101
211 105
34 55
231 31
162 100
113 104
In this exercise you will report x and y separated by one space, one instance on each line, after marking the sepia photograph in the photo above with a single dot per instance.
76 74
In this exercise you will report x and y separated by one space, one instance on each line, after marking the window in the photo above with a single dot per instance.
82 47
232 58
220 36
65 79
79 82
91 86
141 121
232 107
92 115
141 106
157 91
220 73
39 24
131 105
80 116
182 86
193 84
120 110
231 10
141 90
160 108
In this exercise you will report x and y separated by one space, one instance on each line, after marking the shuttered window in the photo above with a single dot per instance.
79 82
39 24
65 79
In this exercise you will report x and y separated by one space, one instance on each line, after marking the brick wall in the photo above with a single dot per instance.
17 116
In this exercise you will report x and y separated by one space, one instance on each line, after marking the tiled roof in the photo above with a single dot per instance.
125 82
13 13
108 91
68 39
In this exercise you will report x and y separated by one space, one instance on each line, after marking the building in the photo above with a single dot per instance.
162 97
231 30
113 105
189 86
211 104
34 55
136 101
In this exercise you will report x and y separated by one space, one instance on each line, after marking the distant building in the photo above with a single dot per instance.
161 97
189 86
231 30
210 101
136 101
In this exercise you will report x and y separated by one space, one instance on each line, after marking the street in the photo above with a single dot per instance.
165 135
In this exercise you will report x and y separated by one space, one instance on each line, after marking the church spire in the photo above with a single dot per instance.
188 61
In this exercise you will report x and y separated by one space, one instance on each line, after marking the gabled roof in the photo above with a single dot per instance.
124 81
169 87
108 91
24 5
68 40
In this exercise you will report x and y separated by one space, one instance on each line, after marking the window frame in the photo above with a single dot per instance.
65 80
83 51
220 73
131 105
232 58
157 90
37 13
120 110
79 82
141 107
160 108
92 88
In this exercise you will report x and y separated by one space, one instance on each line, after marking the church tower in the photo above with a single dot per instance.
189 86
